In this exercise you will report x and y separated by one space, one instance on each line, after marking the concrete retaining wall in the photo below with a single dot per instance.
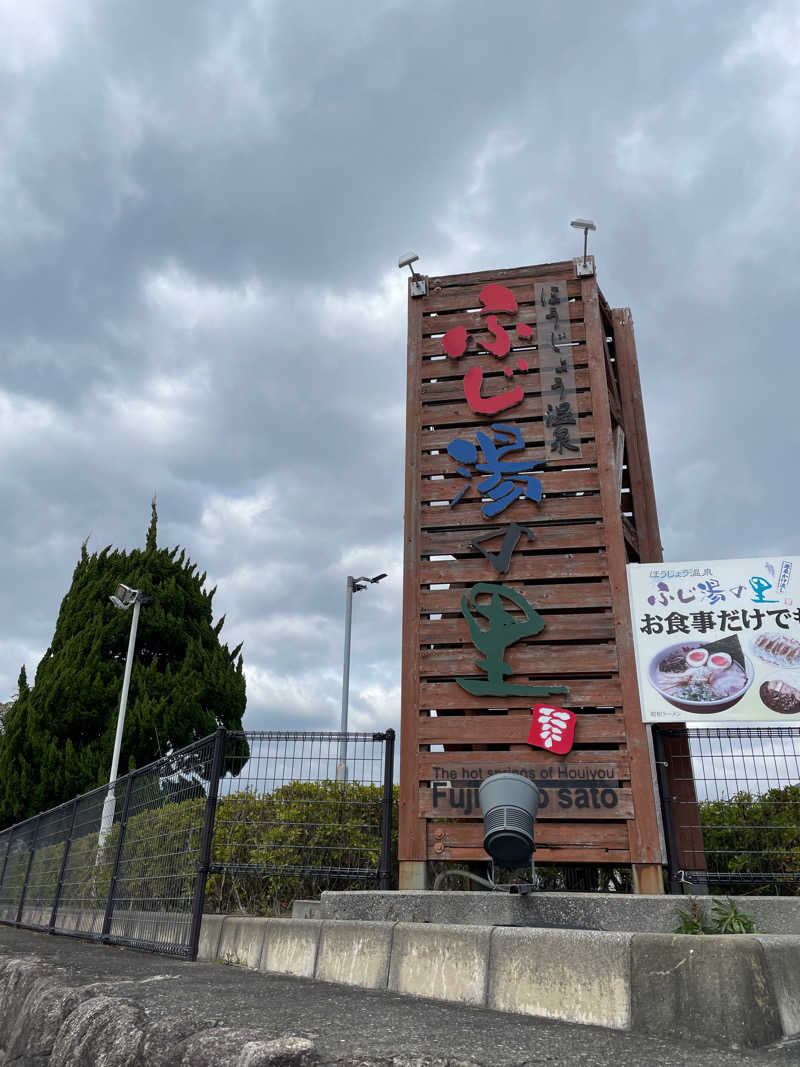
734 992
627 913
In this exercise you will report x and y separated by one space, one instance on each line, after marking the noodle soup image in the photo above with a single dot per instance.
702 678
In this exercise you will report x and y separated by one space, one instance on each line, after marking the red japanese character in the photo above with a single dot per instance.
552 728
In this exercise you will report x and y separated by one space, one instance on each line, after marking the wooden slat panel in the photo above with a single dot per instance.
532 428
528 414
580 480
594 627
589 594
463 290
511 729
644 839
522 658
525 511
432 346
534 568
599 803
494 383
548 537
583 693
468 834
578 760
548 854
475 321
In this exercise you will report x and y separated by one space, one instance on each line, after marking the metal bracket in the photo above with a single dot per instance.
419 285
584 267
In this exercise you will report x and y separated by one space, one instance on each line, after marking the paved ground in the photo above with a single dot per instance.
359 1026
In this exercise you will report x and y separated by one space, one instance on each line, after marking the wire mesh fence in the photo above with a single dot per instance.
267 815
732 807
308 811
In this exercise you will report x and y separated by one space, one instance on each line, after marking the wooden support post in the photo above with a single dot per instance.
414 875
648 878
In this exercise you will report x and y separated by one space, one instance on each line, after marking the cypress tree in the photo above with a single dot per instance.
59 734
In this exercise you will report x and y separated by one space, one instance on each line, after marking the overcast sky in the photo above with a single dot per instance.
202 205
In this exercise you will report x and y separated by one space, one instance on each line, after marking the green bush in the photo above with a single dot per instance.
269 841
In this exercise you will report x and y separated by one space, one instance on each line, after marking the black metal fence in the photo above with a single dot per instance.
731 805
239 819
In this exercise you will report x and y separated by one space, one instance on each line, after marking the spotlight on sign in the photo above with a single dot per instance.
509 803
584 224
419 284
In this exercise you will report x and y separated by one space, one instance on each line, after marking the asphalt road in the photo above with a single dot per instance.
355 1026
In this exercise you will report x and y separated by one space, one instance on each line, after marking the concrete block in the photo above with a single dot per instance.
577 911
782 955
711 989
290 946
241 940
580 976
306 909
442 962
355 953
210 930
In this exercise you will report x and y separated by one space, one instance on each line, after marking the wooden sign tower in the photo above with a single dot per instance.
528 489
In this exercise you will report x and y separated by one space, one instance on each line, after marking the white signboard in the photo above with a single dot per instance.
718 641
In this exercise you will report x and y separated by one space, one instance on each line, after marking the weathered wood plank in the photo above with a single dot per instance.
533 432
606 765
512 729
595 627
523 658
436 487
592 594
594 802
465 833
551 509
583 693
432 346
527 416
495 382
534 568
440 323
547 538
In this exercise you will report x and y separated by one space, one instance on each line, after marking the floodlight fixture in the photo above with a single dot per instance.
354 585
509 803
122 597
585 225
419 284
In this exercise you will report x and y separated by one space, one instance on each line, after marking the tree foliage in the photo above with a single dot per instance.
59 735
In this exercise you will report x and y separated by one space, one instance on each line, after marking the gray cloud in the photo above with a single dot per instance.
200 212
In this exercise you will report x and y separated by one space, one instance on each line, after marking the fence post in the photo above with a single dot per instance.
31 854
123 824
204 859
385 865
8 852
67 846
667 814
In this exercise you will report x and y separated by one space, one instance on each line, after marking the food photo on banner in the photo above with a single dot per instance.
718 640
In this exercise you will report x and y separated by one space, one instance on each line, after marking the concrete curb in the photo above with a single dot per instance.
733 992
48 1021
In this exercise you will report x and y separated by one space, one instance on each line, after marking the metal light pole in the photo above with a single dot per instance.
354 585
122 598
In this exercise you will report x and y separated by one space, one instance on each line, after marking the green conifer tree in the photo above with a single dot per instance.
59 734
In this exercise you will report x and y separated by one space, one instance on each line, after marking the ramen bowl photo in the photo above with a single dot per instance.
704 679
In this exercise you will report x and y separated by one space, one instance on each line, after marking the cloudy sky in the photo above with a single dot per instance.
202 205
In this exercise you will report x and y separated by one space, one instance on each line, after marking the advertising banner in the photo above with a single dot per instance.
718 640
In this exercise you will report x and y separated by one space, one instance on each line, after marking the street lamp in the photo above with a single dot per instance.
122 597
354 585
